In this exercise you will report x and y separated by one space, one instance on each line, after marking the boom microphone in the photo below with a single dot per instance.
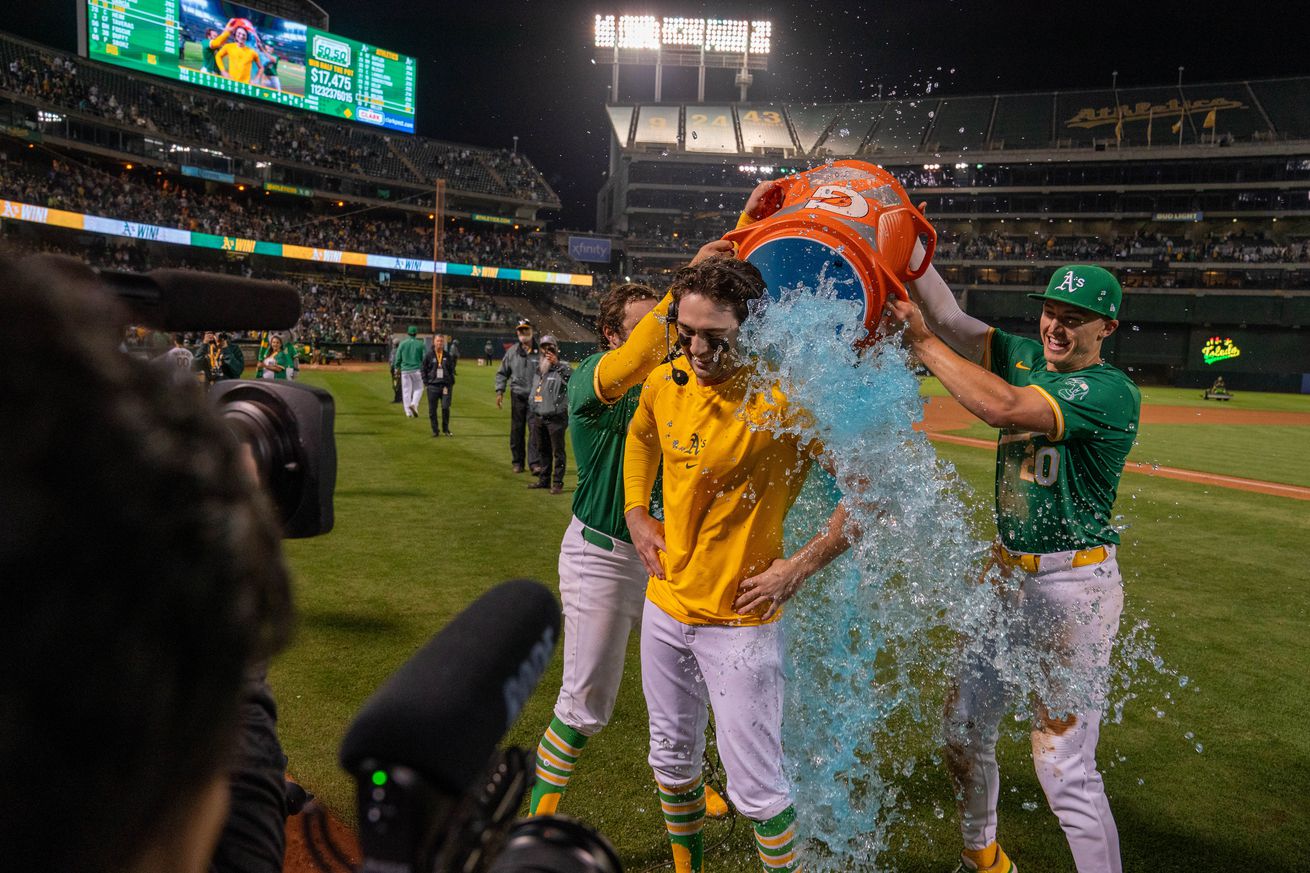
445 710
189 300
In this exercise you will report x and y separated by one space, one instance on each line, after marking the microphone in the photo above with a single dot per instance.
445 710
189 300
679 377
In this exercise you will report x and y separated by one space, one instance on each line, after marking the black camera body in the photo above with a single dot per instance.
288 429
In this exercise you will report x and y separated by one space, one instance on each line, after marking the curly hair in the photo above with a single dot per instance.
143 575
723 279
615 303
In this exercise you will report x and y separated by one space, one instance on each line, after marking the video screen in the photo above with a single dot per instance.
233 48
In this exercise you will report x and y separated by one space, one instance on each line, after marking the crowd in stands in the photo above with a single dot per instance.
54 80
145 197
1164 250
334 309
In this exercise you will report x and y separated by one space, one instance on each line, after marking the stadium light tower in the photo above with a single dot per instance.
649 40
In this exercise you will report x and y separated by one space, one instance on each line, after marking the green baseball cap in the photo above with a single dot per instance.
413 331
1087 287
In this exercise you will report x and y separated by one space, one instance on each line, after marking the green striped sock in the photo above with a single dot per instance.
684 816
557 753
776 841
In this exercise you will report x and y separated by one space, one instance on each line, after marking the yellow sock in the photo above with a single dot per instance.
982 858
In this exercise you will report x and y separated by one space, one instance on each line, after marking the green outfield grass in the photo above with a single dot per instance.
424 525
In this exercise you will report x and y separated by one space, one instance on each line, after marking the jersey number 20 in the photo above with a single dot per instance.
1040 465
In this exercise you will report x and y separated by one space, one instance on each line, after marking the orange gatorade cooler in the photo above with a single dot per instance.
848 222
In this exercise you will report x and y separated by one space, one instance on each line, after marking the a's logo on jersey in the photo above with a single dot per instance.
1074 389
691 448
1070 282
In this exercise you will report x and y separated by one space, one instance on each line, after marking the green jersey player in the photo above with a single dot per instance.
1067 421
602 581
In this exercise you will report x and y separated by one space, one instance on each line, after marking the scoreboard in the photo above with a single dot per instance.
233 48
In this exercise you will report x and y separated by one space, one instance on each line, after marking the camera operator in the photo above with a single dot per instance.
220 358
144 585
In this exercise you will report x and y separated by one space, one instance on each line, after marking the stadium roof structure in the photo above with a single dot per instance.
1258 112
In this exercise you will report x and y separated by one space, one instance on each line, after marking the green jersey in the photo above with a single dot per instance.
409 355
599 431
1055 492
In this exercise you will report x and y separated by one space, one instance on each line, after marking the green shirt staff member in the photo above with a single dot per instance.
602 580
1068 421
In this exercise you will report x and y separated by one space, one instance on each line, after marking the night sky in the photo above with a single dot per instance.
494 69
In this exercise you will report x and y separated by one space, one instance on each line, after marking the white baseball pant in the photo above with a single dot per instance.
1068 616
602 591
738 671
411 389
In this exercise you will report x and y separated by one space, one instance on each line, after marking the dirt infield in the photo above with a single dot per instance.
945 414
309 851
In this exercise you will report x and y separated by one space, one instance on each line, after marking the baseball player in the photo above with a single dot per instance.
408 361
718 576
1068 421
235 59
602 581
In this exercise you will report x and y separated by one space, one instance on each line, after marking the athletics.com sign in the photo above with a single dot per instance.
589 249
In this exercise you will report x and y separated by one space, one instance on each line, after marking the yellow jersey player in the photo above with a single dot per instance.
718 576
602 582
235 59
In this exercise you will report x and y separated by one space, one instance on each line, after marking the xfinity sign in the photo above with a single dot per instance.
331 51
589 249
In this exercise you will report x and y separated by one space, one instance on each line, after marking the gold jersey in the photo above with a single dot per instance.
730 477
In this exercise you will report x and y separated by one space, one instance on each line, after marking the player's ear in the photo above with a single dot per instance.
1109 327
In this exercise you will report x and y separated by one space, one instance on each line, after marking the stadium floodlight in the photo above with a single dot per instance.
689 32
605 31
639 32
678 41
724 35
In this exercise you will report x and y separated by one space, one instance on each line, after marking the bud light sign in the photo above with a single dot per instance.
589 249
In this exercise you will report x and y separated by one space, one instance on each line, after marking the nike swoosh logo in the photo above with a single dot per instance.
1022 366
691 464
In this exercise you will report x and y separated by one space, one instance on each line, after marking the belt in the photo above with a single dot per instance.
1032 563
596 538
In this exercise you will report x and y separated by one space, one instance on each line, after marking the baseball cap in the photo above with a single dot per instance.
523 322
548 340
413 331
1087 287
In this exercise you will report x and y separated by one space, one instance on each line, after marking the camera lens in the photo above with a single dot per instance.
554 844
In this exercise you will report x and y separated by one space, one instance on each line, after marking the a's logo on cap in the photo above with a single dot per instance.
1071 282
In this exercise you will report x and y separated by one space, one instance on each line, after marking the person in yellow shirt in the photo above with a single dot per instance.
235 59
718 575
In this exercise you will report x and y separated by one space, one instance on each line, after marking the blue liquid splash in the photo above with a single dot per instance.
875 640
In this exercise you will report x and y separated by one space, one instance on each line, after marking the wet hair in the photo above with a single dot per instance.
615 303
143 575
725 280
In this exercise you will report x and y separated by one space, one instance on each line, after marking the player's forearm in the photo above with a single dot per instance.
964 333
628 365
980 391
641 461
824 547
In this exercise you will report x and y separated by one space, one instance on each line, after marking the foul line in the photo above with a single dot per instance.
1278 489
